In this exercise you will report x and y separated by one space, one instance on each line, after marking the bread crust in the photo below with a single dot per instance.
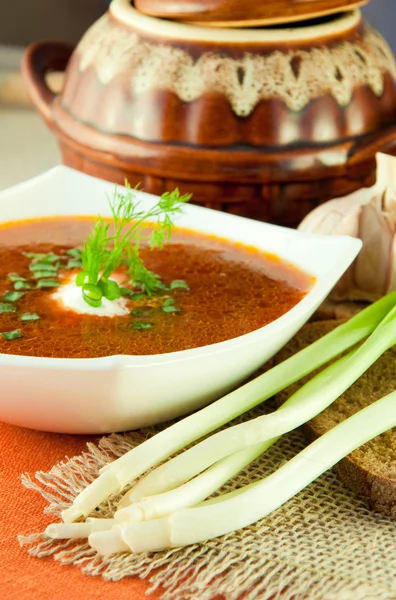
358 473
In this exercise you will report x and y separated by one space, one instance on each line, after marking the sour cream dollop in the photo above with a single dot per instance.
69 297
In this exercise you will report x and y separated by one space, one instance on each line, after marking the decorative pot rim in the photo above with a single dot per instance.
124 12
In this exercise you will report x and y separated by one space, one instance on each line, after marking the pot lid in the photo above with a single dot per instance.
243 13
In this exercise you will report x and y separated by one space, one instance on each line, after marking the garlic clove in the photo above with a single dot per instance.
371 265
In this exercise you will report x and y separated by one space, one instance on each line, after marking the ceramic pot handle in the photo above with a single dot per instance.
40 59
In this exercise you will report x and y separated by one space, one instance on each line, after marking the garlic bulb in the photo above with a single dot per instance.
369 214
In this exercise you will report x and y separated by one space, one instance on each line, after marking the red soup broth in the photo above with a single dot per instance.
234 289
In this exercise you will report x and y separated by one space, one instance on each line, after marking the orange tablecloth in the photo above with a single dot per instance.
21 511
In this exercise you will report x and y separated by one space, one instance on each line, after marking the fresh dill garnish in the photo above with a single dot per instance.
115 244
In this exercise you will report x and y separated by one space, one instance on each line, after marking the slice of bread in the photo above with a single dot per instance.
369 471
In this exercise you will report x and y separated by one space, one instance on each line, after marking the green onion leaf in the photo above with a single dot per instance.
82 278
42 266
170 309
13 296
22 285
138 297
50 258
47 283
15 277
110 289
125 291
12 335
44 274
92 294
169 302
141 325
73 263
29 317
141 312
7 308
179 284
35 255
75 253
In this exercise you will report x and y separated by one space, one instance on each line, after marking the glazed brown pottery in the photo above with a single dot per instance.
243 13
261 122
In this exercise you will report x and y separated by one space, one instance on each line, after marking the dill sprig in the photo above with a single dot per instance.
116 243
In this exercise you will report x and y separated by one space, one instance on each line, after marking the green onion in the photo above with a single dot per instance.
22 285
179 284
124 291
92 294
75 253
47 283
35 255
42 266
169 302
7 308
170 309
110 289
13 296
15 277
255 501
138 296
140 312
118 474
44 274
29 317
82 278
12 335
74 264
45 258
141 325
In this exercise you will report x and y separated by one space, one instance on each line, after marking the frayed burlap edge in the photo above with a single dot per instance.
324 544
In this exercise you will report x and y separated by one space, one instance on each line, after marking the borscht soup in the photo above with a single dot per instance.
211 290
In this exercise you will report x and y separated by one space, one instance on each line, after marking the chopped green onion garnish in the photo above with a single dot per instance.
22 285
124 291
179 284
170 309
42 266
34 255
75 253
47 283
7 308
73 263
29 317
82 278
138 296
12 335
13 296
141 325
15 277
44 274
110 289
40 257
169 302
140 312
93 292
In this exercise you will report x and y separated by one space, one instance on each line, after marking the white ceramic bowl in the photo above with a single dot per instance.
118 393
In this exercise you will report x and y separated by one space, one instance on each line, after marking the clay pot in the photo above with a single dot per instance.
261 122
238 13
